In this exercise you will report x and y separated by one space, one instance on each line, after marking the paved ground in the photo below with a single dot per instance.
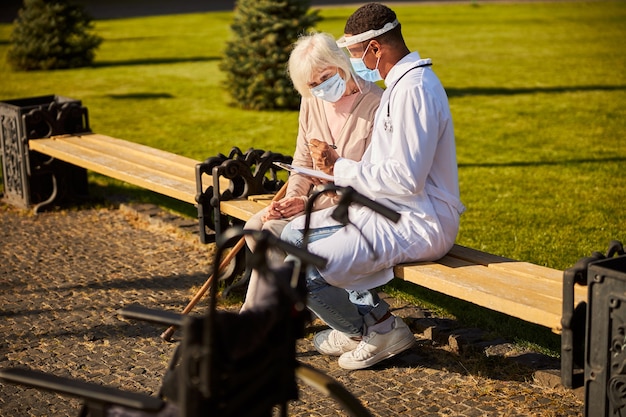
64 274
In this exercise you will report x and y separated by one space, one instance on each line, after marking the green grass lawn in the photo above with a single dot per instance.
537 92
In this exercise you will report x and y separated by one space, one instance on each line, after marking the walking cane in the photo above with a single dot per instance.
167 335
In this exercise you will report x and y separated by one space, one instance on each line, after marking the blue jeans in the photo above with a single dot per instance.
348 311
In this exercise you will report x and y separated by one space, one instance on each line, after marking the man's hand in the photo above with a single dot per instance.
285 208
323 155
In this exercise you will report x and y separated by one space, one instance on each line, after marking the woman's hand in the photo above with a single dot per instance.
285 208
323 155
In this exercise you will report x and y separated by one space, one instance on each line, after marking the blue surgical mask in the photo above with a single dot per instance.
362 71
330 90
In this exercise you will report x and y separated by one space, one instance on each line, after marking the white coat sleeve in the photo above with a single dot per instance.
397 162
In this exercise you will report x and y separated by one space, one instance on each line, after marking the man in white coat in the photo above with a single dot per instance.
410 166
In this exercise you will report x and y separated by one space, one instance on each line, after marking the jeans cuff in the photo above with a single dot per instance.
376 313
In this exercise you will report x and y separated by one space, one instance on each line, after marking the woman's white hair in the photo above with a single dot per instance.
314 52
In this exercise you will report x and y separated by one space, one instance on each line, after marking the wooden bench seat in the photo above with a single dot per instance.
524 290
165 173
244 208
520 289
153 169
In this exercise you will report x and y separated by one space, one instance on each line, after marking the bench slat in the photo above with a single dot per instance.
534 300
134 148
181 188
494 282
478 288
505 264
156 170
476 256
163 161
242 209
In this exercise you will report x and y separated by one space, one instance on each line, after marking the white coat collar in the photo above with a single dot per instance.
409 61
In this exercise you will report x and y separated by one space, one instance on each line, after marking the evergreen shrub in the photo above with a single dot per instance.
256 57
52 34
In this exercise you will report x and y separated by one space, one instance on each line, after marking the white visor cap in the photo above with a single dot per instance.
346 41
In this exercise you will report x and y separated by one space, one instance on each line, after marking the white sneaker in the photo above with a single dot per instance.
333 342
376 347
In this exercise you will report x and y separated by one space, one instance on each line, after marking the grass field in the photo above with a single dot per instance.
537 92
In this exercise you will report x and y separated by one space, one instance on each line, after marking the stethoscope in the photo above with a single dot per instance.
387 122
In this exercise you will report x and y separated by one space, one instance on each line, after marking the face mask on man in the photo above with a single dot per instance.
330 90
361 69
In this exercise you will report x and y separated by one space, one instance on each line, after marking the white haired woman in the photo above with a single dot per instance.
337 108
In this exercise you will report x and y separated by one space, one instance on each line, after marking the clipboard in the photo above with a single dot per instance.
305 171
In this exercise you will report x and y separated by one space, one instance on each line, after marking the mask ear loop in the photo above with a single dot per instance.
357 80
377 62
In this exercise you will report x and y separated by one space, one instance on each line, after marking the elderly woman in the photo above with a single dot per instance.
337 108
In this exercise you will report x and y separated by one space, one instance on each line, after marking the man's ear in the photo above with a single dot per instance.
375 47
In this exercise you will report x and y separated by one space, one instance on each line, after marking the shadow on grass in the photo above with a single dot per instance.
502 91
154 61
543 163
134 38
139 96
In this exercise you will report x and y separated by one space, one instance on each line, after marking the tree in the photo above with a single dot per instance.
52 34
256 58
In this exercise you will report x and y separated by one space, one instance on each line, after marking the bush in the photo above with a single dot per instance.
51 34
256 58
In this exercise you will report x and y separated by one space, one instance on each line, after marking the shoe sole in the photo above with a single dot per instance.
399 347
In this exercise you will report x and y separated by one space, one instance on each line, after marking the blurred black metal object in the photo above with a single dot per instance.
32 179
605 353
573 323
594 333
244 364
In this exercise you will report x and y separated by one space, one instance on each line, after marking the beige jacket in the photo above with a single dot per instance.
351 143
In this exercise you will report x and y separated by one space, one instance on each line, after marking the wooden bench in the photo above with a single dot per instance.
520 289
232 188
153 169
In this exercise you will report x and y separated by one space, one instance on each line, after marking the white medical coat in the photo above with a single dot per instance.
410 166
